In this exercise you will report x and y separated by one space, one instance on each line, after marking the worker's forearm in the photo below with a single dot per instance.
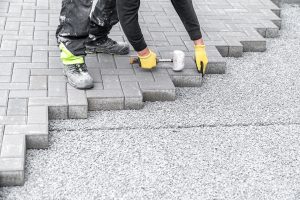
188 16
128 16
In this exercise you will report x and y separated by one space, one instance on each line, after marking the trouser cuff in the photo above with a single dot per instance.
139 45
75 45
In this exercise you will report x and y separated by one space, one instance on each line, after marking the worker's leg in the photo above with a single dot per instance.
103 19
128 16
188 16
74 25
71 36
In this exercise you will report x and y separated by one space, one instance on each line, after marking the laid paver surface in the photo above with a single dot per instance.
33 89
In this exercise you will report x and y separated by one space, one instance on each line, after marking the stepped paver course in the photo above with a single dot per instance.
34 90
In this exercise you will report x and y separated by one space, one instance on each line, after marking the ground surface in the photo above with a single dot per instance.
33 88
237 137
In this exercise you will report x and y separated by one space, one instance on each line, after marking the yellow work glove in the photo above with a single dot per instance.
201 58
149 61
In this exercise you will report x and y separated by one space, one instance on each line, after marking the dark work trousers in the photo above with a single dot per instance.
76 24
128 15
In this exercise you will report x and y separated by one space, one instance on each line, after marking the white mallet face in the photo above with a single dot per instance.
178 60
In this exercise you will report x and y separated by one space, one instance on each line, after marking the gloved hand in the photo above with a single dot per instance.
201 58
149 61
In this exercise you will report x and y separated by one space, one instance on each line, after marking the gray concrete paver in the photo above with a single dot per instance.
17 107
6 69
12 171
13 146
37 115
78 105
38 83
20 76
4 97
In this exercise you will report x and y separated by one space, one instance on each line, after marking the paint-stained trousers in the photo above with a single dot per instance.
76 24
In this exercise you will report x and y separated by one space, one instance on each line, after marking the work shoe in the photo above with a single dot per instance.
108 46
75 69
78 76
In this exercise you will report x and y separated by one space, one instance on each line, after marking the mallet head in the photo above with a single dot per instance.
178 60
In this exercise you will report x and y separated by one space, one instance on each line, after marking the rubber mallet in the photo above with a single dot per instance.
177 60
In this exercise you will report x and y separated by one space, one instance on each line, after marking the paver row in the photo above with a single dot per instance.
34 90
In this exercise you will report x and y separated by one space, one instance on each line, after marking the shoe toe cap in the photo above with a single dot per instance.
85 82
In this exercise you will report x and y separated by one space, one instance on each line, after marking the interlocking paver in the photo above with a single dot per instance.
36 134
39 56
17 107
57 89
8 45
21 75
111 82
106 61
24 51
4 97
13 120
33 88
7 52
13 86
133 95
37 115
95 73
12 171
31 65
160 90
6 69
41 35
27 93
78 105
54 62
58 108
38 83
3 110
13 146
107 99
5 79
15 59
46 72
